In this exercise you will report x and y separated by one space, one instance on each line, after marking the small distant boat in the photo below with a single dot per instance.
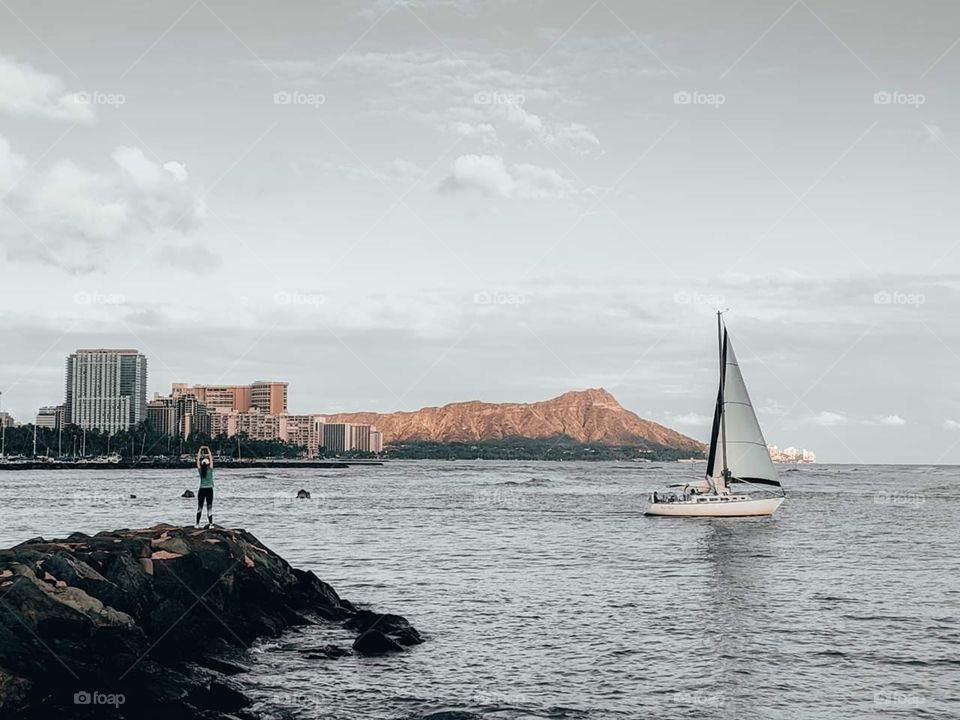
738 455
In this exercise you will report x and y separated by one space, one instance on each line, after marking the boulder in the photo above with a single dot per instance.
303 494
150 614
188 494
374 642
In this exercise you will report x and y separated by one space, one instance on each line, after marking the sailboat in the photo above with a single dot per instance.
738 456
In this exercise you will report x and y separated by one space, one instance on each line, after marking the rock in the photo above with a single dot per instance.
451 715
328 652
395 626
374 642
303 494
131 612
188 494
133 497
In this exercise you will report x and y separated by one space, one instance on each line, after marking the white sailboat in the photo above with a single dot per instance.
738 455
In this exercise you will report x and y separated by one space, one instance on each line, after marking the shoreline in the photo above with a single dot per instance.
181 465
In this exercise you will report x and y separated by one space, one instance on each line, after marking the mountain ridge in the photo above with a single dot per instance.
587 416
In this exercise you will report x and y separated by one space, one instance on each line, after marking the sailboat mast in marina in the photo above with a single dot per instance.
738 455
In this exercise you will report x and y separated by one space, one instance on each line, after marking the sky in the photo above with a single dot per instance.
396 204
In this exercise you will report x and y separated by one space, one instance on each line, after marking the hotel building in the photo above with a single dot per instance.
267 397
106 389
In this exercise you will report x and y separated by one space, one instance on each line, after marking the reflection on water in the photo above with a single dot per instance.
544 592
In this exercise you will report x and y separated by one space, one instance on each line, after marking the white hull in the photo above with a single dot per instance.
701 507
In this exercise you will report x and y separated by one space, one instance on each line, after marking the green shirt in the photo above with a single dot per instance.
207 480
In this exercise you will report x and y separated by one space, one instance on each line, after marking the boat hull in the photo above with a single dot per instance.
735 508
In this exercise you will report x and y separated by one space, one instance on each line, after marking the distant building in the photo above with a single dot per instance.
267 397
337 438
255 424
50 417
300 430
791 455
180 415
106 389
162 414
6 419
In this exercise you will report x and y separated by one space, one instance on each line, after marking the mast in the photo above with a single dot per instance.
723 414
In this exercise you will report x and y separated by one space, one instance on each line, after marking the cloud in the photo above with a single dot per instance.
11 167
949 424
404 171
829 419
571 135
30 93
488 175
891 420
690 418
75 218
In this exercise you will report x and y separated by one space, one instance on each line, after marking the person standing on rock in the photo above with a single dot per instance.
205 494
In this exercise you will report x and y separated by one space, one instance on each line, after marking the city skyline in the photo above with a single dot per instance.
406 205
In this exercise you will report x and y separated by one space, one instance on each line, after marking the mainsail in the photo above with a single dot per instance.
736 441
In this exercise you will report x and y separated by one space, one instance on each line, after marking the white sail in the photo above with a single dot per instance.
736 429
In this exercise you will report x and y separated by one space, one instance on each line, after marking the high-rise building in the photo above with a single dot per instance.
300 430
106 389
6 419
376 441
50 417
267 397
180 415
162 414
337 438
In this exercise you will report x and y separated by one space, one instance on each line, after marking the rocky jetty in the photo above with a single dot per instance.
149 623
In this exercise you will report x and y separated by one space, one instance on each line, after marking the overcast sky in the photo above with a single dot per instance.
399 204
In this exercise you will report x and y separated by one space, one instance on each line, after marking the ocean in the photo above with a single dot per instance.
543 592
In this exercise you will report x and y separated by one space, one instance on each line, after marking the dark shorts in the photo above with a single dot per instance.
205 495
